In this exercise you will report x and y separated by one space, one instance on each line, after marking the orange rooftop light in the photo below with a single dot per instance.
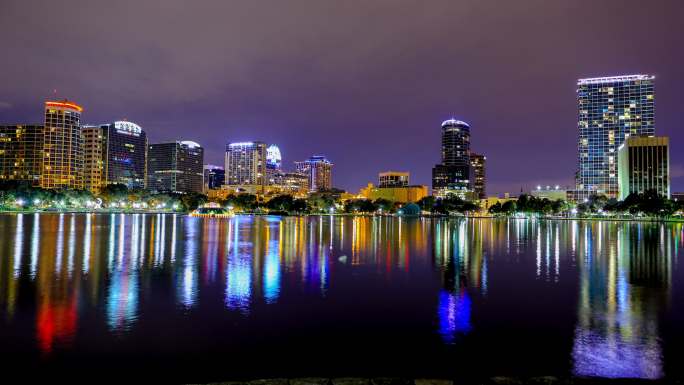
64 104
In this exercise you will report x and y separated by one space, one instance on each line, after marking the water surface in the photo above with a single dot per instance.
85 296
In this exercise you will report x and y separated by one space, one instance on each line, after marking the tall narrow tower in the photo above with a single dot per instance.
62 146
452 175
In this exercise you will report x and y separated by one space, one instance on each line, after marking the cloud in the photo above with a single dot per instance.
5 105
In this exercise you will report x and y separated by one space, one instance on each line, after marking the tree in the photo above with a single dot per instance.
384 204
509 207
495 208
427 203
280 203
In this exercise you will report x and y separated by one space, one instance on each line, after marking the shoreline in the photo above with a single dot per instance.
497 380
433 216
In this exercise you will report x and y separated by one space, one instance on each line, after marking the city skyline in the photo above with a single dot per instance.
352 99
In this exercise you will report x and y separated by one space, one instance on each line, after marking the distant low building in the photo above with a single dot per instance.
403 194
677 196
393 179
550 193
485 204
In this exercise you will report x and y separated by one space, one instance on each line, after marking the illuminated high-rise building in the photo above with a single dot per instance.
21 153
273 163
175 167
115 153
93 164
319 171
245 163
478 165
62 146
452 175
610 109
643 165
125 154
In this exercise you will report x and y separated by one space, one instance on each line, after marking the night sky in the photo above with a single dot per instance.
366 83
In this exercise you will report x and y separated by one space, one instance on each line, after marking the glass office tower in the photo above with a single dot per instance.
610 110
478 163
115 153
452 176
125 154
175 167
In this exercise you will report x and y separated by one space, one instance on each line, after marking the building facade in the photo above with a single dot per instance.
21 153
274 162
93 159
318 169
452 175
400 194
62 146
644 164
292 183
610 110
115 153
550 193
393 179
214 177
175 167
245 163
478 165
125 154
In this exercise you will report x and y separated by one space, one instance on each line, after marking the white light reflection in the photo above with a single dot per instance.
35 245
18 244
86 244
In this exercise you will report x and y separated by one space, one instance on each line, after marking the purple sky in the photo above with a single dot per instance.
366 83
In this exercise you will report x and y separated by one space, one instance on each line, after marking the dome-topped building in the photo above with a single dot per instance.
453 174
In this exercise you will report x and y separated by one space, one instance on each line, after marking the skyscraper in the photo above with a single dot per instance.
116 153
93 162
478 164
125 154
246 163
319 171
452 175
644 164
610 110
21 153
175 167
273 163
62 146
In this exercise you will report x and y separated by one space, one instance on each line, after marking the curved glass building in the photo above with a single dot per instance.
452 175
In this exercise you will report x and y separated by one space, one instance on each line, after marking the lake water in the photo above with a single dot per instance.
183 299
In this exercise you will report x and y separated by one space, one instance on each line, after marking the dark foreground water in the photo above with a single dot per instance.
92 297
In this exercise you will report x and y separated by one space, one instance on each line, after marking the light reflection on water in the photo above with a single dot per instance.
76 264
